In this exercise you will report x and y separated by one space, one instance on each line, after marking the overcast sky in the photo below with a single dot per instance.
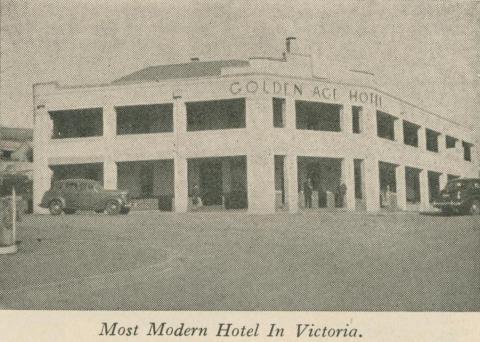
424 51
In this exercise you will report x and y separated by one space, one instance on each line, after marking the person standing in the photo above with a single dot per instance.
307 192
196 199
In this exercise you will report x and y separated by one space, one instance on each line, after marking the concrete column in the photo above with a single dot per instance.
180 163
181 188
291 180
348 178
372 184
347 123
398 127
110 174
109 134
424 191
370 119
422 139
441 143
42 133
290 114
443 180
42 174
401 187
261 183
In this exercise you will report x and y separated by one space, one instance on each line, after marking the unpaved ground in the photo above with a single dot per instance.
235 261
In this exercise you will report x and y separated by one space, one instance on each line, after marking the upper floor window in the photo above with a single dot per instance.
218 114
77 123
385 125
356 119
410 133
432 140
450 142
467 151
144 119
318 116
279 112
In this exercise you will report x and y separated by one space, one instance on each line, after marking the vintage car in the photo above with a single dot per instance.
70 195
461 195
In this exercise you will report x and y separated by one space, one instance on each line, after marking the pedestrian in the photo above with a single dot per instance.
341 192
196 199
307 192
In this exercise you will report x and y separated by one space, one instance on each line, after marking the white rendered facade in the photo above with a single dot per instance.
293 79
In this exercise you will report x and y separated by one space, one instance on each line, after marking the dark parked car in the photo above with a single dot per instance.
460 196
70 195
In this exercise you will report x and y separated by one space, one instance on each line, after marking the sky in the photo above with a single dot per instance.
426 52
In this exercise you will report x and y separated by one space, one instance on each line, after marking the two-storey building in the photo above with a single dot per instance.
247 134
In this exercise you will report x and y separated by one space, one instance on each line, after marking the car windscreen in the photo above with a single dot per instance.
455 186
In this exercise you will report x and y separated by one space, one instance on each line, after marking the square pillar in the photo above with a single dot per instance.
370 119
443 181
290 114
291 180
372 184
401 187
261 183
180 185
348 178
110 174
424 191
109 133
422 139
398 127
347 123
180 165
42 174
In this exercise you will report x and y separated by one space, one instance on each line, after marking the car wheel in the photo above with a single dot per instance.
55 207
124 211
475 207
113 208
69 211
99 211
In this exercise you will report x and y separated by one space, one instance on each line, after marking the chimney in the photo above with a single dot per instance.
194 59
288 43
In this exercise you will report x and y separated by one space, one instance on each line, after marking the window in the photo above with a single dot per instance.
467 151
5 155
432 140
219 114
410 133
77 123
279 112
385 125
145 119
450 142
356 119
71 186
318 116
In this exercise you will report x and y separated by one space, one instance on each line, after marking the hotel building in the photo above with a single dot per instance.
248 133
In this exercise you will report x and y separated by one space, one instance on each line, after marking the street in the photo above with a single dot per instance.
234 261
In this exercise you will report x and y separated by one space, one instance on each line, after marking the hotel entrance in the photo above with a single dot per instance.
217 183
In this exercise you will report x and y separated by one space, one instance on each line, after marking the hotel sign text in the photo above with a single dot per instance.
289 89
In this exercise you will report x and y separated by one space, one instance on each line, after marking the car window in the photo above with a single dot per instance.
83 187
57 186
71 186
